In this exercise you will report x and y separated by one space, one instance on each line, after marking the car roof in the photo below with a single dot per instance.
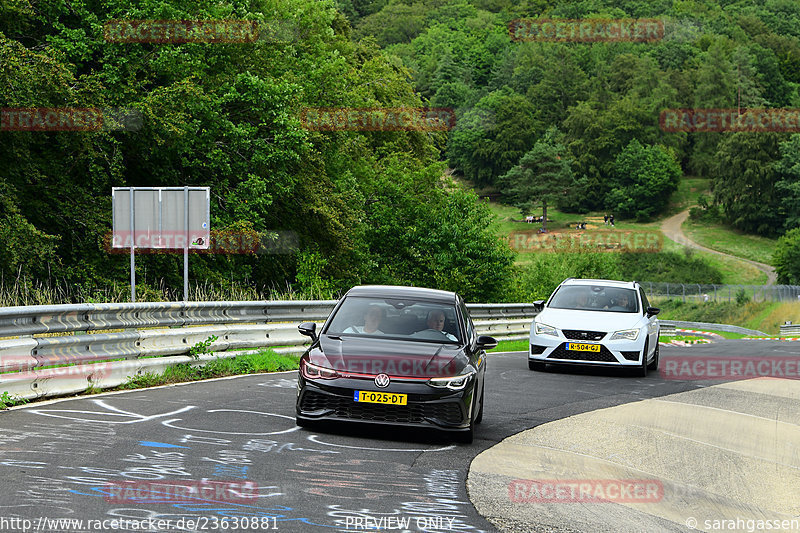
607 282
397 291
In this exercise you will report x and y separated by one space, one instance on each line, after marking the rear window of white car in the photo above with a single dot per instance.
595 298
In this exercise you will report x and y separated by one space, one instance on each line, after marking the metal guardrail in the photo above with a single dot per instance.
700 292
157 335
712 326
666 329
790 329
39 319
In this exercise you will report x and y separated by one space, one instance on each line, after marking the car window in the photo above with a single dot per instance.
468 322
406 319
645 302
595 298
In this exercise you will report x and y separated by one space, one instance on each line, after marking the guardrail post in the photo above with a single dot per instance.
683 289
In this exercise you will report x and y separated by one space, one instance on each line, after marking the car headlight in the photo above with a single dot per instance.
311 371
452 383
544 329
625 334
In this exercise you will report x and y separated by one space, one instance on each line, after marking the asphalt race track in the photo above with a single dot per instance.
114 457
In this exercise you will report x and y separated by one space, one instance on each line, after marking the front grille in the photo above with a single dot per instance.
536 349
603 356
579 335
630 356
415 413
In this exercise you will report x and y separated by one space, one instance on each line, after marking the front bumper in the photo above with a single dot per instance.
617 353
426 407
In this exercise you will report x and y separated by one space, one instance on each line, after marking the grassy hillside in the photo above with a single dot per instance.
689 190
730 241
761 316
674 264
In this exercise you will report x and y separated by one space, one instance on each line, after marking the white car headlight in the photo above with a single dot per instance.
625 334
452 383
544 329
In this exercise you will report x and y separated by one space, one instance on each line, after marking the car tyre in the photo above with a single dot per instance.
536 366
465 437
641 370
479 418
654 364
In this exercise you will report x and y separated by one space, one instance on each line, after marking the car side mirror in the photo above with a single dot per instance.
653 311
486 342
538 305
309 329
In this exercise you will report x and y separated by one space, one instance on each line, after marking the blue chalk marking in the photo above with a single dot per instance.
151 444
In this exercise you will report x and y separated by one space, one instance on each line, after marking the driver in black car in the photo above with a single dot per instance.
436 322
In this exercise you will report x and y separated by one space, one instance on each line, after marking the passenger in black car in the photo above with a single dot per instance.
372 321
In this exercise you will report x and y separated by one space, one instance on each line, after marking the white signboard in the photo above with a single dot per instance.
163 217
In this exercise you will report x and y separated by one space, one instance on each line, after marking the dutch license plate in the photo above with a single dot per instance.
578 347
380 397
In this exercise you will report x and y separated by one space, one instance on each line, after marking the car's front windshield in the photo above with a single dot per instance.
402 318
595 298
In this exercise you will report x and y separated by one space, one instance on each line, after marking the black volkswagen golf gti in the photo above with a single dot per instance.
395 355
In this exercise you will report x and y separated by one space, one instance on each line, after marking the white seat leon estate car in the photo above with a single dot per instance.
595 322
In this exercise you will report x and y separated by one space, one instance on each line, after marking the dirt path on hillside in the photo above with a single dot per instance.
671 228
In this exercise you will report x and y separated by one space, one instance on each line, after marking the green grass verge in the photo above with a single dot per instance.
726 334
6 400
511 346
684 338
262 361
730 241
250 363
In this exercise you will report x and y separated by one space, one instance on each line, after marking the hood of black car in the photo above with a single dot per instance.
397 358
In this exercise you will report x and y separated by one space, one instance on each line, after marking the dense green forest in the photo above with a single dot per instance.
367 208
379 207
604 98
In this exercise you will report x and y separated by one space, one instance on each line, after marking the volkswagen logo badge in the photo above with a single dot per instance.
382 380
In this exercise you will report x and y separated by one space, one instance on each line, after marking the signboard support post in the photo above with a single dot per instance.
160 218
186 245
133 256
